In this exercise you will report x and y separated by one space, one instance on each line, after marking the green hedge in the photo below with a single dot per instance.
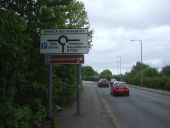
167 84
151 82
155 82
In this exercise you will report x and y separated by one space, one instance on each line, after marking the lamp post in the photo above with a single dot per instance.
141 61
120 67
118 70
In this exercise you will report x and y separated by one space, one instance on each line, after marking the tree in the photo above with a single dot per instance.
107 74
137 68
23 74
166 71
150 72
76 17
89 73
152 78
15 43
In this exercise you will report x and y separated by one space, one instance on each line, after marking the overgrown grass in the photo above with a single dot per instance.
56 123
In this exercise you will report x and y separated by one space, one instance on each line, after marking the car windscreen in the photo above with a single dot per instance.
120 84
113 80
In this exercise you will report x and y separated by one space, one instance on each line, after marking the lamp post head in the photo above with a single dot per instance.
136 40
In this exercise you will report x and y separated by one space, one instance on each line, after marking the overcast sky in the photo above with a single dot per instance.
116 22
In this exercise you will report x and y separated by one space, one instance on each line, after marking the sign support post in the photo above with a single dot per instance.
63 46
78 89
49 91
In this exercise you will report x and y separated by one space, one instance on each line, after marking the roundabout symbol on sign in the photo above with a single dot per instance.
62 40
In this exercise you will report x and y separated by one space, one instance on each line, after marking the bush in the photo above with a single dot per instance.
15 116
167 85
166 71
154 82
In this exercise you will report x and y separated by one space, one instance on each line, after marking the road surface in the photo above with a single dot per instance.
142 109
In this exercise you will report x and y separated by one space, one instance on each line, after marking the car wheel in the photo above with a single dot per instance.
114 94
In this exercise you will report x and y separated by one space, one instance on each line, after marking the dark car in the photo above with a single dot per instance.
103 83
119 88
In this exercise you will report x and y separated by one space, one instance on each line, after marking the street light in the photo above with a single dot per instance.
118 70
120 67
141 61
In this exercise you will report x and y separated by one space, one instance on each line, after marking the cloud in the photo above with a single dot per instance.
116 22
129 13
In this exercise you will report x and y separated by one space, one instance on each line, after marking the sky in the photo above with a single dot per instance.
117 22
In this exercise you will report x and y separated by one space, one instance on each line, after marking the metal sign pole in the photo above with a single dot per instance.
49 91
78 89
56 41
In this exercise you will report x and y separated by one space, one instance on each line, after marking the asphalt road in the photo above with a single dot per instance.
142 109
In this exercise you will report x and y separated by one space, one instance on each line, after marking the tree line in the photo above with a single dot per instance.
89 74
151 76
23 74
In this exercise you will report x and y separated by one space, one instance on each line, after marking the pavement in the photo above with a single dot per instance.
93 113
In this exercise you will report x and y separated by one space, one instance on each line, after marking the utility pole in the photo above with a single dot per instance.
141 61
120 66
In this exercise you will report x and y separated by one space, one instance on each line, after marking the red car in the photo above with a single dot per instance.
119 88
